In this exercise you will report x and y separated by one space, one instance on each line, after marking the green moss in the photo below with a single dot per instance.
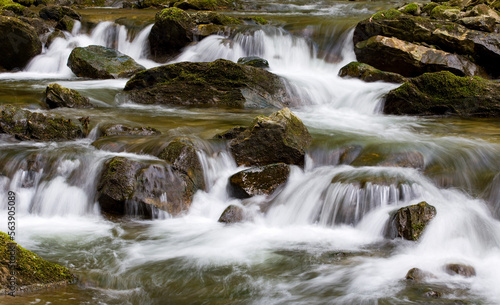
14 7
445 12
30 268
173 13
389 14
259 20
411 9
429 7
93 3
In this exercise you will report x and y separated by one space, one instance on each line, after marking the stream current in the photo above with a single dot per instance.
320 242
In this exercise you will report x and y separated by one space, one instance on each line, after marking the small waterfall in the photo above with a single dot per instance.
52 63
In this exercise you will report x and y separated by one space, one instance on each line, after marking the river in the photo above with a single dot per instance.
319 242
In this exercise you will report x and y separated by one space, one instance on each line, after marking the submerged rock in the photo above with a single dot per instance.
102 63
203 4
408 59
232 214
221 83
278 138
254 61
369 74
460 269
418 275
410 222
26 125
263 180
19 41
58 96
443 93
32 271
412 159
108 130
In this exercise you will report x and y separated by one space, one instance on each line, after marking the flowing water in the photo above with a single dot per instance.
320 240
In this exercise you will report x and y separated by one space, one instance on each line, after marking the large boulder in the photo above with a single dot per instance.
171 32
181 154
141 189
369 74
445 93
263 180
58 96
56 13
220 83
278 138
26 125
460 269
410 222
31 271
102 63
19 41
408 59
483 47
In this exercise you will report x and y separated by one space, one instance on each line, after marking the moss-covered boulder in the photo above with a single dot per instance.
172 31
444 93
102 63
411 159
263 180
411 9
254 61
108 130
182 154
278 138
66 24
369 74
57 12
26 125
232 214
482 47
140 189
58 96
410 222
32 271
409 59
221 83
19 41
207 5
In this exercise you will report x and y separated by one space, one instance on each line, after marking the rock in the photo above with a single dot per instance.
278 138
444 12
418 275
171 32
102 63
448 36
443 93
221 83
408 59
480 23
181 154
26 125
254 61
41 26
410 222
58 96
108 130
55 34
369 74
19 41
203 5
263 180
460 269
57 13
66 24
411 9
232 214
231 133
32 271
141 189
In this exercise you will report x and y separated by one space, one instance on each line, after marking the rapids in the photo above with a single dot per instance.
318 241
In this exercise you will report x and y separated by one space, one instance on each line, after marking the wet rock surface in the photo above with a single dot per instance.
263 180
410 222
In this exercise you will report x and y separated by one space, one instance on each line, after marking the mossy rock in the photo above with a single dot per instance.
221 83
31 270
66 24
58 96
55 34
369 74
429 7
411 9
102 63
410 222
444 93
108 130
278 138
254 61
444 12
262 180
411 159
26 125
388 14
56 12
232 214
207 5
19 41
